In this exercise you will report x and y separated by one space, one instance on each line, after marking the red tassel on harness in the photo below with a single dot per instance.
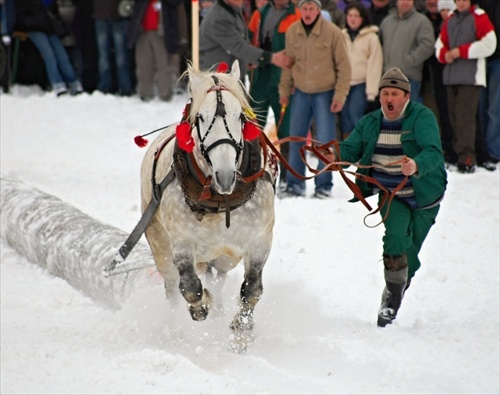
222 67
140 141
184 138
250 131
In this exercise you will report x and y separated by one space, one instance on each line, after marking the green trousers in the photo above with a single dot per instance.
264 95
406 230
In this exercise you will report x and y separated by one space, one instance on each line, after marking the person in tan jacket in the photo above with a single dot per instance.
319 80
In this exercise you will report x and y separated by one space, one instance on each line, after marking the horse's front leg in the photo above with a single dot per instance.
199 299
250 294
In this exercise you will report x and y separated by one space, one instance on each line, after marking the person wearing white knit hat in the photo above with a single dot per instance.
467 38
446 7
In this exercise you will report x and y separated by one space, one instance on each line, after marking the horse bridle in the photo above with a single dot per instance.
219 112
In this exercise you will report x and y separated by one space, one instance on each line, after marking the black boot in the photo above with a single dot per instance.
396 274
391 301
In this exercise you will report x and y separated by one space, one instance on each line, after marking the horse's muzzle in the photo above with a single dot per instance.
225 181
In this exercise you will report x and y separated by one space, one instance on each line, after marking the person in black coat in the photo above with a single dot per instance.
7 18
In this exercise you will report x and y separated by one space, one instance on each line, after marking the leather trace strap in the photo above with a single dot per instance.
141 226
320 149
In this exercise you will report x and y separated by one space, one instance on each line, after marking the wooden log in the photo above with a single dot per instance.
71 245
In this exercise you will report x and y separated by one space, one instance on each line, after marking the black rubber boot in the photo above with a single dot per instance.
396 275
391 302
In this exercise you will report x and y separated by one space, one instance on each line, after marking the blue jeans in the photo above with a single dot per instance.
57 63
489 108
115 31
415 91
354 107
304 107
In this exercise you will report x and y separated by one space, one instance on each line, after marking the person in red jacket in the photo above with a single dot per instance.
153 31
467 38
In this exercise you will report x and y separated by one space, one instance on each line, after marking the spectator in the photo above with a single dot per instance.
336 14
489 102
87 42
154 32
342 4
41 20
378 10
179 54
111 33
483 158
69 15
224 37
467 38
268 26
407 41
260 3
433 89
419 5
404 131
7 19
205 6
365 54
3 61
445 9
319 80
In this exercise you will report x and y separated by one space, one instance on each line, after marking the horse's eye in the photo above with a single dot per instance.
201 118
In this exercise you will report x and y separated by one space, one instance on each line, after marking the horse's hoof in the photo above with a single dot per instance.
199 311
242 323
240 340
242 328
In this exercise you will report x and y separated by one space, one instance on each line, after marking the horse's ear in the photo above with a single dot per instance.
195 79
235 69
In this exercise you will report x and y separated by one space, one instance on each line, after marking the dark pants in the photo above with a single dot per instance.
463 101
265 94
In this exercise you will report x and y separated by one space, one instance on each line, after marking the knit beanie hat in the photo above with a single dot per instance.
394 78
446 5
317 2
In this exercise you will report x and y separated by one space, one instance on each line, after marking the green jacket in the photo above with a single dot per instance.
278 41
420 141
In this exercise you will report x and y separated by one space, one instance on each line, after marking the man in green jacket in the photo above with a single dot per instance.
406 132
268 27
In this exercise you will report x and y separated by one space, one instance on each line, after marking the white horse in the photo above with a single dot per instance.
212 214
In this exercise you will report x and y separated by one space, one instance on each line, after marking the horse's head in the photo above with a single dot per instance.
218 114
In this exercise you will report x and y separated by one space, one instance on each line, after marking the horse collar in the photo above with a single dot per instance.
192 183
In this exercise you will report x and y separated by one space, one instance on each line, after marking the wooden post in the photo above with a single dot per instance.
195 33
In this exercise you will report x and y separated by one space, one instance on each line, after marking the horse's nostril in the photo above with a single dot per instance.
225 180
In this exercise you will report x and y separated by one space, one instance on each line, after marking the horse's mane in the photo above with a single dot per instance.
204 84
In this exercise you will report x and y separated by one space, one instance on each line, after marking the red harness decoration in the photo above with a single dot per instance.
183 131
250 131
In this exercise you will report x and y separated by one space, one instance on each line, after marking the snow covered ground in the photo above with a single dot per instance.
316 327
